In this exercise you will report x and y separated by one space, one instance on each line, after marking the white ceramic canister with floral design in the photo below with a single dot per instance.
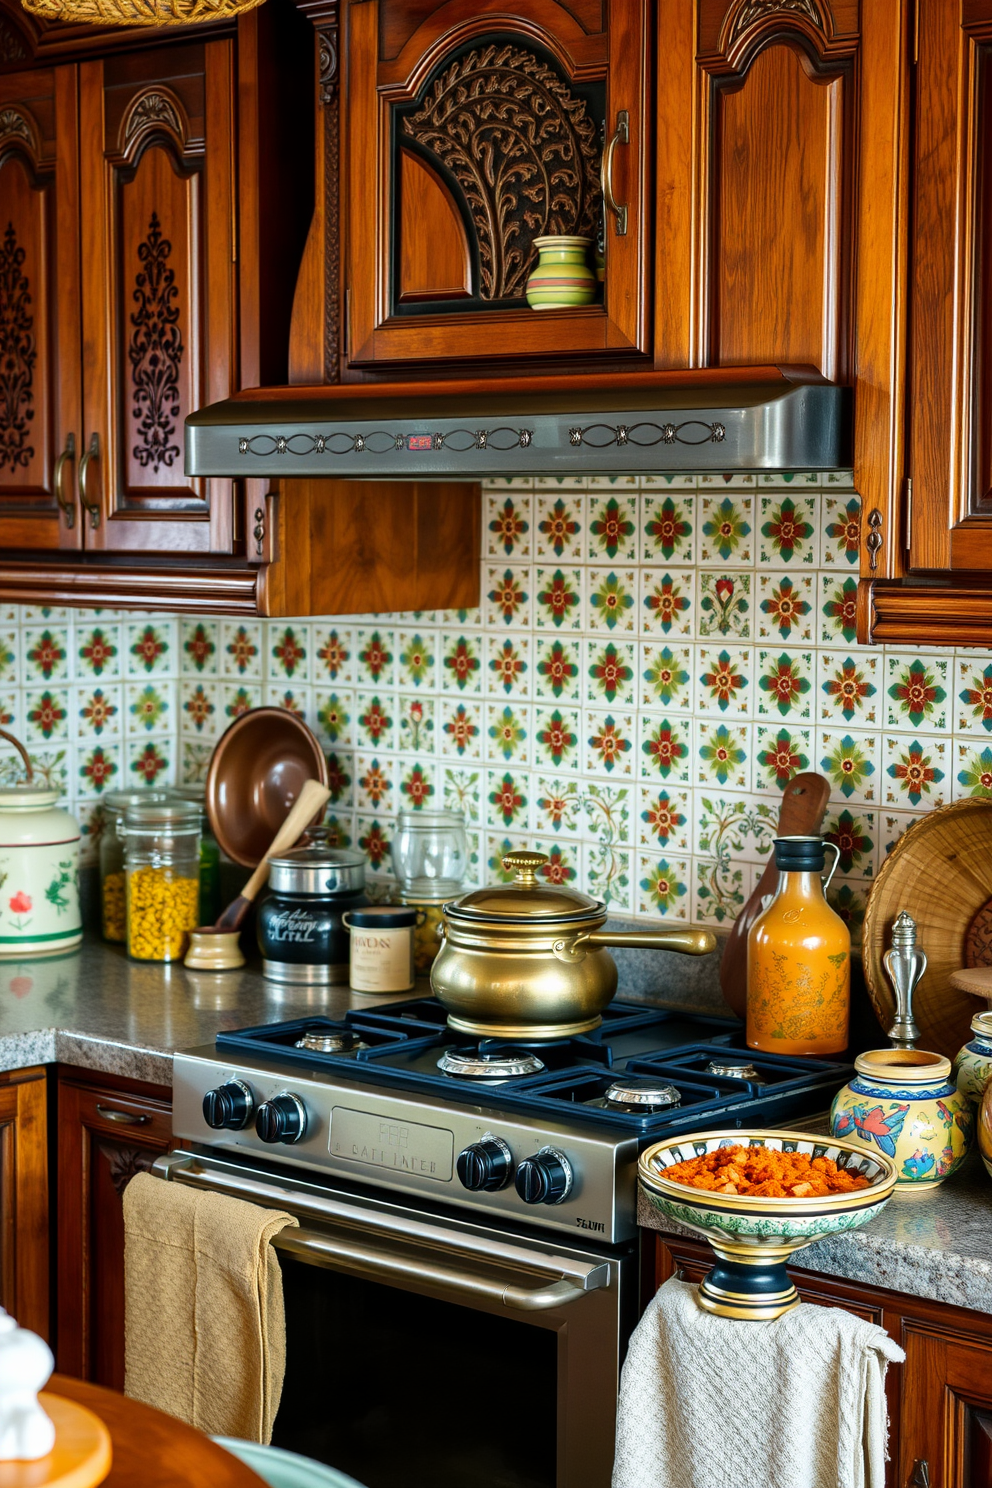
39 870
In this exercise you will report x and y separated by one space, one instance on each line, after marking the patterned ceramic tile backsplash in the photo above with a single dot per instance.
652 661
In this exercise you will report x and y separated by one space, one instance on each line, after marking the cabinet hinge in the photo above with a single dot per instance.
921 1474
907 540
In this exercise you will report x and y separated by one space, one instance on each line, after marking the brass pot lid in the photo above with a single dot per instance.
526 898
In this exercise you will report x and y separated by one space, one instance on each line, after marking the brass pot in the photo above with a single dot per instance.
527 960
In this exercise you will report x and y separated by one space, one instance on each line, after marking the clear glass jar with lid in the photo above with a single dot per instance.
430 853
113 892
210 900
163 878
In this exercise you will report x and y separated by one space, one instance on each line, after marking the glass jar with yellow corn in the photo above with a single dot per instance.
113 897
163 878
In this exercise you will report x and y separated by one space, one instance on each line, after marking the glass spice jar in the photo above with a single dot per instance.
430 853
210 899
113 910
163 878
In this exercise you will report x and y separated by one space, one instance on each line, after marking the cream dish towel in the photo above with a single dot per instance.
711 1402
204 1323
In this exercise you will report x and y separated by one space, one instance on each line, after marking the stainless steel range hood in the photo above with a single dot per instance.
763 419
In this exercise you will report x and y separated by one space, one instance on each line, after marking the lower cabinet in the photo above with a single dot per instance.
24 1252
108 1130
940 1400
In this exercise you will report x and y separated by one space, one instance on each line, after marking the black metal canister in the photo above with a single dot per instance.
300 933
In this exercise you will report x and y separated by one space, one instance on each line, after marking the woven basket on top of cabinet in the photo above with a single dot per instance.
940 872
137 12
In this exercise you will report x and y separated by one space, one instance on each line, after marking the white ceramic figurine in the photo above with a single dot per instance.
26 1362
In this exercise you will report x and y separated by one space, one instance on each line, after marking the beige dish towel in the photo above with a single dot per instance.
711 1402
204 1322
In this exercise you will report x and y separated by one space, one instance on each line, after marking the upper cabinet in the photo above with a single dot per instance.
470 131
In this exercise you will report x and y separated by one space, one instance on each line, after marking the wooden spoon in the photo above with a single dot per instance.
312 798
804 805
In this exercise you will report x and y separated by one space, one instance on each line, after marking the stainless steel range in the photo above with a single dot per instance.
465 1275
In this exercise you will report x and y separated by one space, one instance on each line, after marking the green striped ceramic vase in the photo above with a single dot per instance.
562 278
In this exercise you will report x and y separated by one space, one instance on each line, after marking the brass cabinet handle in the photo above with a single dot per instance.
67 508
123 1118
621 136
93 507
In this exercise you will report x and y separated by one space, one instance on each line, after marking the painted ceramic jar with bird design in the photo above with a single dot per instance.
903 1102
973 1064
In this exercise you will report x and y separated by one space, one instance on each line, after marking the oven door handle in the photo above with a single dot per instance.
408 1248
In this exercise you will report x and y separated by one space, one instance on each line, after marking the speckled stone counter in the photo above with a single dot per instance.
936 1245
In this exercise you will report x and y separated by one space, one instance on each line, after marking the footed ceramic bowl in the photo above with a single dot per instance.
753 1236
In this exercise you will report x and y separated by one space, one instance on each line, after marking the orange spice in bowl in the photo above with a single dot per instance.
764 1172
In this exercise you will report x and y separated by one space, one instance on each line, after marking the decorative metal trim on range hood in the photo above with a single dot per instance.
630 424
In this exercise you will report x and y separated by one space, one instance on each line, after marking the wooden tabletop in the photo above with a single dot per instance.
151 1449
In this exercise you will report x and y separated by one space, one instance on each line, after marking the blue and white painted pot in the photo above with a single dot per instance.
904 1103
973 1062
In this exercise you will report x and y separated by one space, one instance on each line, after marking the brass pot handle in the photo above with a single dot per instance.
93 507
29 768
621 136
67 508
688 942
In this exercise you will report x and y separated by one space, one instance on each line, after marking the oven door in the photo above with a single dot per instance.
424 1351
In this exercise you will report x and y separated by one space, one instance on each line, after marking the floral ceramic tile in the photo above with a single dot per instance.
663 886
375 657
557 739
507 524
146 762
9 671
11 708
725 529
664 819
52 764
496 846
507 794
779 754
149 708
849 900
375 720
667 525
418 786
973 695
723 755
608 874
732 829
341 778
612 529
664 749
558 526
100 769
891 825
559 482
508 730
45 715
507 594
840 545
855 835
564 865
334 717
557 669
333 648
612 600
461 790
720 890
851 763
194 760
461 664
786 608
298 700
45 654
724 682
508 666
289 648
461 729
916 693
151 648
607 812
850 687
610 739
199 708
610 669
665 602
842 479
375 783
665 676
787 530
89 815
372 837
242 649
199 648
785 684
916 771
98 651
838 610
416 659
557 600
238 699
557 805
724 605
672 481
973 772
417 723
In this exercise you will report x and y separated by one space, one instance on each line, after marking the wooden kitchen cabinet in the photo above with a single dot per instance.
24 1249
108 1130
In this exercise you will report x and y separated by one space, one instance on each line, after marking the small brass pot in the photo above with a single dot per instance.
528 960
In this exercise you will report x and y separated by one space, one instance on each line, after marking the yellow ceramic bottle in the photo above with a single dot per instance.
799 959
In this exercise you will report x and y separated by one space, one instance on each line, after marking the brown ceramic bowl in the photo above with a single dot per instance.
257 770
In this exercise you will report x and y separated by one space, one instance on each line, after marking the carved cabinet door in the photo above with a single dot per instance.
158 292
40 413
470 129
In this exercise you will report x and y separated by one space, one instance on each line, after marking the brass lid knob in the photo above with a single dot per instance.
524 864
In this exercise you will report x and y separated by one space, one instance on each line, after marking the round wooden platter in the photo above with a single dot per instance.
976 981
81 1455
940 872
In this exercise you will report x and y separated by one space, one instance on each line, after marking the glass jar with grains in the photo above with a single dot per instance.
163 878
112 886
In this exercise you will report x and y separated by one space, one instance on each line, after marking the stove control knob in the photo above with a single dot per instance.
229 1106
486 1165
281 1119
545 1178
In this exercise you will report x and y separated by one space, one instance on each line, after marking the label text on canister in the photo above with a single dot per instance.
382 960
292 924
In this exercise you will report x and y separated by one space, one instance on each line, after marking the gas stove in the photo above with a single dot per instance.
541 1134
